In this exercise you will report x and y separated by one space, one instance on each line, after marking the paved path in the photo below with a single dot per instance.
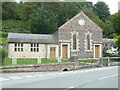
88 78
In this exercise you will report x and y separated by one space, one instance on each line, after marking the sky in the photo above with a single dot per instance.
112 4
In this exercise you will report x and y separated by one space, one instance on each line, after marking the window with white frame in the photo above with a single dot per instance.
34 47
88 41
74 42
18 47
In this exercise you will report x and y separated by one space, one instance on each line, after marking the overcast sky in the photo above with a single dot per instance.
112 4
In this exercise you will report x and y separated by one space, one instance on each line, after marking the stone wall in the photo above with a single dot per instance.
73 26
38 68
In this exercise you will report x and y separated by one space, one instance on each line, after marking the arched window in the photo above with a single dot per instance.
88 42
74 42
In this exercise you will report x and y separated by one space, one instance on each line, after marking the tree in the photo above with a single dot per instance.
44 22
9 10
102 10
118 41
66 12
27 10
108 31
116 22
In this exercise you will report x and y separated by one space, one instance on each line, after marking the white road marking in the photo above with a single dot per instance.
3 79
40 75
16 77
108 76
71 87
28 76
60 73
68 88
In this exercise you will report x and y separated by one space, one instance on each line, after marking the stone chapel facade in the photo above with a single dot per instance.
79 36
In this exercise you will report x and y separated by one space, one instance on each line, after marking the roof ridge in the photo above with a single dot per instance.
29 34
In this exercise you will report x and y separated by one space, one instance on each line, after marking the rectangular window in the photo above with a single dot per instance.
34 47
18 47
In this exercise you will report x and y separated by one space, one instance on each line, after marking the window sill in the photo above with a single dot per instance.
74 50
88 50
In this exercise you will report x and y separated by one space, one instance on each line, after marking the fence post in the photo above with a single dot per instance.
14 61
108 61
75 59
101 61
39 60
59 59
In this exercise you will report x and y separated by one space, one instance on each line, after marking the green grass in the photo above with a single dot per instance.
7 62
64 61
28 61
89 61
25 61
114 60
82 64
45 61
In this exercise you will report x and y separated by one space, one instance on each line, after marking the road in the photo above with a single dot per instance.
106 77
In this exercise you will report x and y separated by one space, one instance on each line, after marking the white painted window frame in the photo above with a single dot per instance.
34 47
90 42
77 41
99 50
68 44
18 47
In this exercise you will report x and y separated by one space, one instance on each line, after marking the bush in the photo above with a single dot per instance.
15 26
109 55
3 54
4 34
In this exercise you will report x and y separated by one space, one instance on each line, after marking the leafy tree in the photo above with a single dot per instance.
118 41
51 6
9 10
116 22
66 12
43 22
16 26
84 5
108 31
102 10
27 10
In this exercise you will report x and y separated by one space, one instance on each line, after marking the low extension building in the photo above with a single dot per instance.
79 36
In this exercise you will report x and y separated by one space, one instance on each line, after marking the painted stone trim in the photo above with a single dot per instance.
77 41
56 50
68 49
91 40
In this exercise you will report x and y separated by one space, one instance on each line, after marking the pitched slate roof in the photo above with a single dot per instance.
33 38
